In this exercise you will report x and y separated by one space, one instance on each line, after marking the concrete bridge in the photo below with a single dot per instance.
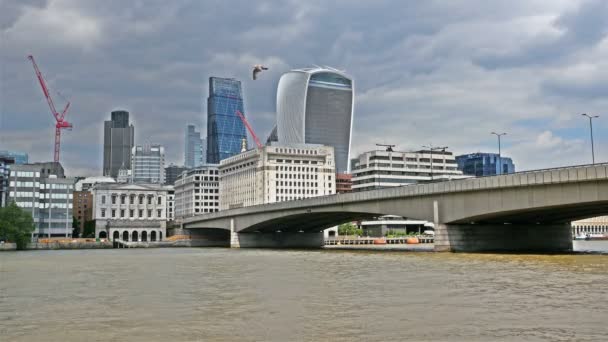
525 211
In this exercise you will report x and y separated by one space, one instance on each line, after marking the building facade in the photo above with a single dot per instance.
225 130
43 190
484 164
594 225
118 141
5 170
82 204
195 149
170 202
344 183
381 169
315 106
19 158
276 173
172 172
197 192
130 212
148 164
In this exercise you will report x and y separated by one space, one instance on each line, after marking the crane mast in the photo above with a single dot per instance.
249 128
60 123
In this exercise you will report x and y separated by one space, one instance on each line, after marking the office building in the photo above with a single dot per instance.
130 212
381 169
195 149
315 106
118 141
344 183
170 202
276 173
43 190
148 164
225 130
19 158
197 192
82 204
484 164
391 224
5 169
172 172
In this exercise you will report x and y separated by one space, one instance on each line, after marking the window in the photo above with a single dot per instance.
103 199
132 200
122 199
122 213
131 212
103 213
141 200
141 213
113 212
149 212
160 200
113 199
159 212
149 199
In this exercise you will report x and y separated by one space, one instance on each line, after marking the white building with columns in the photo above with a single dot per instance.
277 173
130 212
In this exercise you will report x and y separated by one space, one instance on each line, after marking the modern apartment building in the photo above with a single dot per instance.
381 169
195 149
277 173
225 130
43 190
148 164
118 141
197 192
20 158
131 212
315 106
484 164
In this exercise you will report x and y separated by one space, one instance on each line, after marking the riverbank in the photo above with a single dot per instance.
421 247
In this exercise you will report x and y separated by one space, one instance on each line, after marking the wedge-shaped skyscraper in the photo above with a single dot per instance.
315 106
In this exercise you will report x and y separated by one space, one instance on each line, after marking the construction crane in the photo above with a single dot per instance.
60 123
389 148
255 137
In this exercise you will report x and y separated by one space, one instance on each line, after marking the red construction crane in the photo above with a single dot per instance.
255 137
59 117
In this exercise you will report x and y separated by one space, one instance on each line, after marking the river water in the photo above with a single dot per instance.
215 294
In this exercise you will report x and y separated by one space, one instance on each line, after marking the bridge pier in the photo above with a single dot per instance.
503 238
276 240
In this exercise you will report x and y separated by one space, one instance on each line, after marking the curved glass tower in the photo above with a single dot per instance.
315 106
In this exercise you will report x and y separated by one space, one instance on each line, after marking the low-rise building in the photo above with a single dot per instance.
484 164
131 212
43 190
5 169
382 169
87 183
197 192
277 173
344 183
594 225
82 203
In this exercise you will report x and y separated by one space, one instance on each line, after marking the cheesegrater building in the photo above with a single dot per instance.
315 106
225 130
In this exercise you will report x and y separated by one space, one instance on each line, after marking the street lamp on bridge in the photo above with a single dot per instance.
591 117
499 157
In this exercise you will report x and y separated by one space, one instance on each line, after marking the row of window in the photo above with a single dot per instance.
298 191
132 212
296 151
297 176
132 199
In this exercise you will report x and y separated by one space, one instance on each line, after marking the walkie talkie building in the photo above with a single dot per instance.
315 106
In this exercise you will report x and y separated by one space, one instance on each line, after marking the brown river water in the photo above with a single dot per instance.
215 294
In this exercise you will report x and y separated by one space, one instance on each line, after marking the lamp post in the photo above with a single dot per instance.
431 149
591 117
499 157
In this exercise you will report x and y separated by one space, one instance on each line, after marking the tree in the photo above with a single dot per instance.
349 229
16 225
89 229
75 227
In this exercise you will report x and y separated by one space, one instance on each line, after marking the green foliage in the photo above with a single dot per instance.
16 225
89 229
75 227
349 229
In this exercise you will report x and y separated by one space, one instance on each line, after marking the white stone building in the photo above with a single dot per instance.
197 192
381 169
131 212
594 225
276 173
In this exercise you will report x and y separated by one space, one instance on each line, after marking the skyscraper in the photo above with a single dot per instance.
225 131
20 158
195 152
148 164
118 141
315 106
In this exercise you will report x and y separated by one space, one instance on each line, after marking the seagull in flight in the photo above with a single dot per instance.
257 69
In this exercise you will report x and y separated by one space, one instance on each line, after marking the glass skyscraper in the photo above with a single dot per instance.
195 153
315 106
484 164
225 130
118 141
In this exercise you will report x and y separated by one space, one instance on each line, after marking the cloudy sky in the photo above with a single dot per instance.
426 72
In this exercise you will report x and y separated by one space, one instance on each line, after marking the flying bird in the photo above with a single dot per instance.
257 69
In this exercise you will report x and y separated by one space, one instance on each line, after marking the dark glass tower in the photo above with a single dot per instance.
225 131
118 140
